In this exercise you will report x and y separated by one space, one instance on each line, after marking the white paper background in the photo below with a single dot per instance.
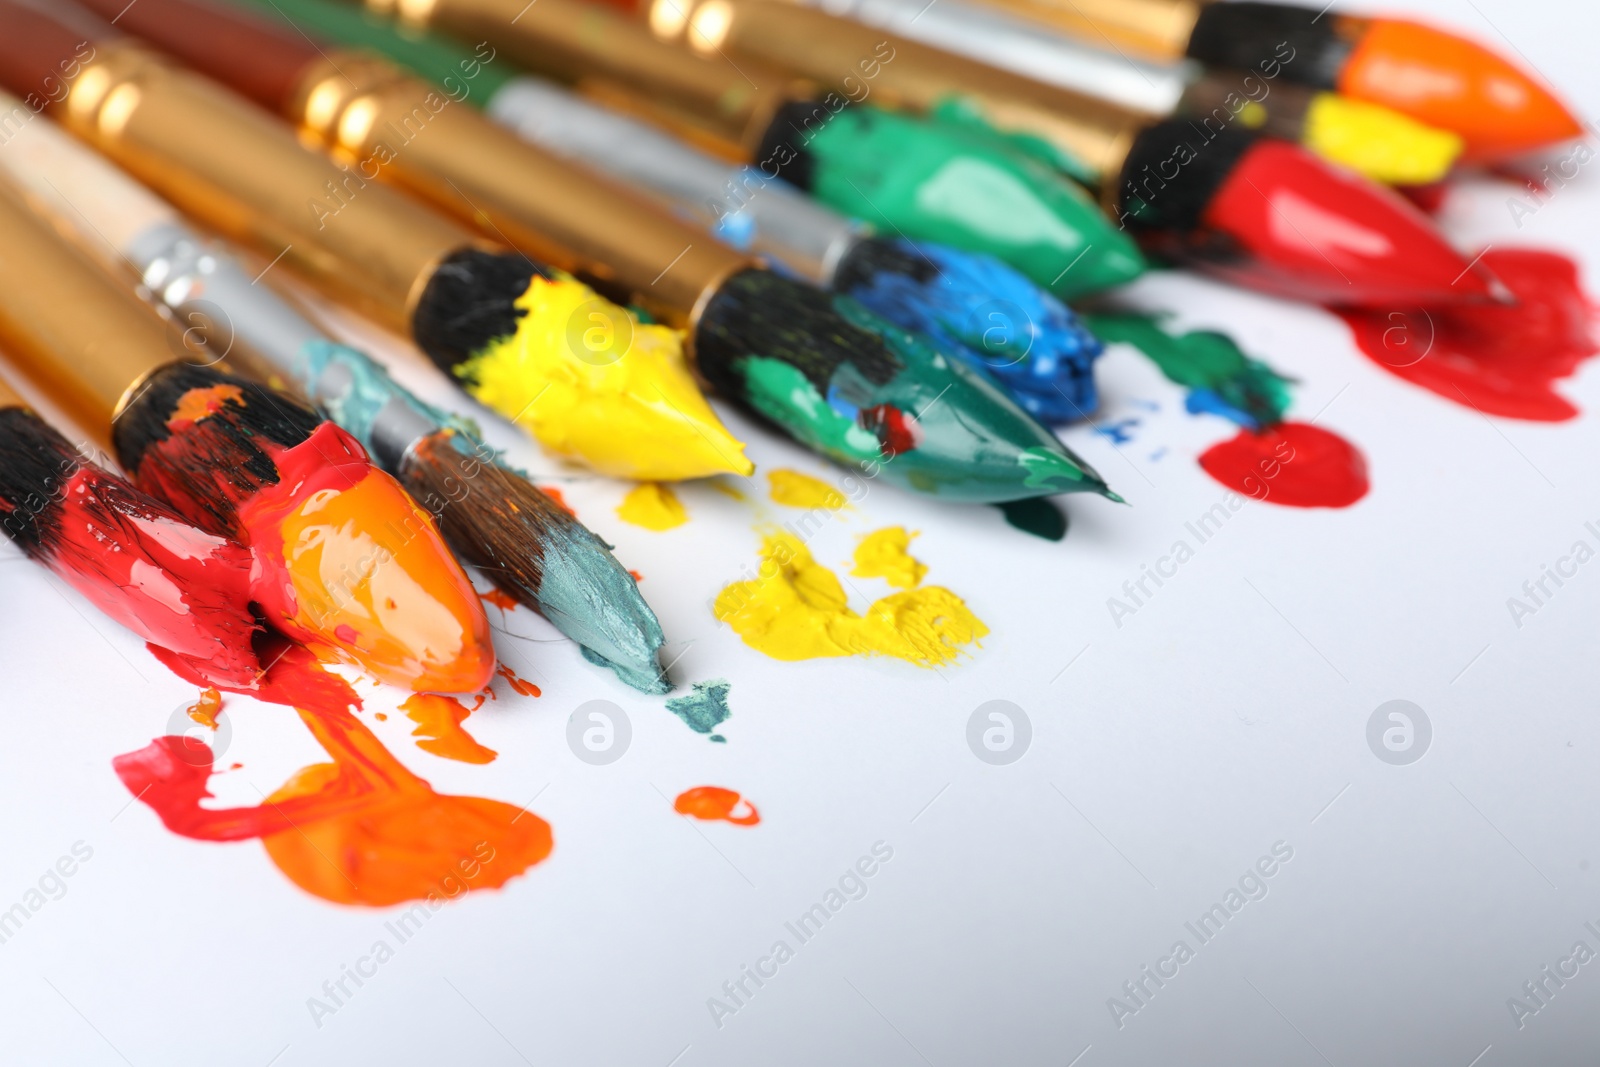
1171 754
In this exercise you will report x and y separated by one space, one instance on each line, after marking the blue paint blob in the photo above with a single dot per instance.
1021 337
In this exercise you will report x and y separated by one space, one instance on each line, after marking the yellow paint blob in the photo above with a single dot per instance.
594 384
1381 143
369 573
885 554
795 490
795 609
653 506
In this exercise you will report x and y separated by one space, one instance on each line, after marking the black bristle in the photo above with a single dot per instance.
782 152
1174 169
502 523
35 462
469 303
760 313
860 267
205 479
1308 46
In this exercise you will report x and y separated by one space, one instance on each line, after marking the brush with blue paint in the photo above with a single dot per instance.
492 517
1003 324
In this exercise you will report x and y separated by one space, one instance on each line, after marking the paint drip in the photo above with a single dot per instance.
1499 359
705 707
595 384
886 554
360 830
653 506
520 686
713 803
1039 517
797 610
439 720
793 489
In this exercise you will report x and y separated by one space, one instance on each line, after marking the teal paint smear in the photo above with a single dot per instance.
1221 379
370 391
705 707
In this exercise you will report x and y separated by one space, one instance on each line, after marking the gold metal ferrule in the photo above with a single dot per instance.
614 58
242 172
83 340
1155 29
404 129
811 43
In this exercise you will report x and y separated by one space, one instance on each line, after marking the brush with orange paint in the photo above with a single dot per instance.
1433 75
341 558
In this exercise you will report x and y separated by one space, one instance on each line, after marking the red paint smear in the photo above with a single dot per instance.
896 434
555 494
711 802
1305 229
1293 464
521 686
1500 359
360 830
1428 198
143 564
500 599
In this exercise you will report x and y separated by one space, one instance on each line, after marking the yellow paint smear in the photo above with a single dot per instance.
653 506
795 490
1379 142
795 609
594 384
885 554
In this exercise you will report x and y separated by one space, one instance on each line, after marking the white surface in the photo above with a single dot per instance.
1167 756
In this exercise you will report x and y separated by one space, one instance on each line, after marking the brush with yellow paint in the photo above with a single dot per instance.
589 380
820 367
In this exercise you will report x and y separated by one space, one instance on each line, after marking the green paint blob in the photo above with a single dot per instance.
1221 379
1039 517
705 707
961 183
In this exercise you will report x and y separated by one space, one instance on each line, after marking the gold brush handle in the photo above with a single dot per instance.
1155 29
552 209
79 337
243 173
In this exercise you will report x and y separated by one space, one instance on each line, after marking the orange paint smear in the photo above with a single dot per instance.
712 802
500 599
521 686
555 494
359 830
198 404
637 577
439 720
205 710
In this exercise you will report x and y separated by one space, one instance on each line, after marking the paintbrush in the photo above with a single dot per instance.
1433 75
133 557
529 546
822 368
1211 196
589 380
342 559
1375 140
950 178
1001 323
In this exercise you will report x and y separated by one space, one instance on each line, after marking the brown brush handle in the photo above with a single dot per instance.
43 49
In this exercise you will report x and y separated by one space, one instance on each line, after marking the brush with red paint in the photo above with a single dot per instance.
341 558
136 559
1433 75
1221 199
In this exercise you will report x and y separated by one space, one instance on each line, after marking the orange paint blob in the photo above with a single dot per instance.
196 404
521 686
360 830
439 720
205 710
500 599
712 802
356 566
637 577
555 494
1450 82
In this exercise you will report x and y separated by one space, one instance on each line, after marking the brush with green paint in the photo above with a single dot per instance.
948 178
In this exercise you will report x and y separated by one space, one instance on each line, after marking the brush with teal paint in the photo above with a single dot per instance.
945 178
528 545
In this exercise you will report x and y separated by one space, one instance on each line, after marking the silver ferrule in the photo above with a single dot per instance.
1001 39
739 205
346 386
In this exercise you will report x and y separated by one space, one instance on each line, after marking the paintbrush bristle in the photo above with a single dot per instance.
35 463
470 303
1151 200
537 552
1244 35
217 425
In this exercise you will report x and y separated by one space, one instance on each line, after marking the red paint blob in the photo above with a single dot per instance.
500 599
1307 230
521 686
711 802
1500 359
1293 463
895 433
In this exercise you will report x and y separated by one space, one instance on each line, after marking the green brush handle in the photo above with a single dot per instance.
428 55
